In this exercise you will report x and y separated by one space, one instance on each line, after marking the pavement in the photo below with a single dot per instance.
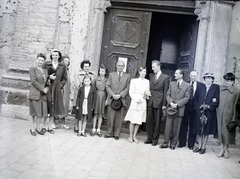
64 155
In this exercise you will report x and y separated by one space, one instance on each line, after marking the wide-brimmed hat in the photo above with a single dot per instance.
208 75
116 104
172 112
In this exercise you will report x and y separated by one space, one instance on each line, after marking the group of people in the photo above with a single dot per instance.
194 108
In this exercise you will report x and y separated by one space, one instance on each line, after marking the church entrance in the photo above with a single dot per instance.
138 34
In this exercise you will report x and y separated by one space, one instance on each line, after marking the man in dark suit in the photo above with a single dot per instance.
117 88
177 96
159 83
189 119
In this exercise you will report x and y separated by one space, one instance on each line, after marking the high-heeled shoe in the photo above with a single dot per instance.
39 132
202 151
130 139
135 140
220 154
33 133
196 150
226 155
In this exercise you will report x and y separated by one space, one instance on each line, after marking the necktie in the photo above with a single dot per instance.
119 76
191 92
178 85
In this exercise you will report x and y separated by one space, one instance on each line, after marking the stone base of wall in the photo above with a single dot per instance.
15 111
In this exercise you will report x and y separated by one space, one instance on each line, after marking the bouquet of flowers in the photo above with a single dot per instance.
146 94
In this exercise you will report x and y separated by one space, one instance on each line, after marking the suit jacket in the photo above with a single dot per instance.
180 95
158 89
38 82
199 89
114 86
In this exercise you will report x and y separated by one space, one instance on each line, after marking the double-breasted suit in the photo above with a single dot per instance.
180 96
115 86
158 89
189 118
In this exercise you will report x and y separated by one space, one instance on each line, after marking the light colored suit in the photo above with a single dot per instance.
114 87
179 95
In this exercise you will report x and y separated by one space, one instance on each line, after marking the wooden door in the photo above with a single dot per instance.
125 36
187 48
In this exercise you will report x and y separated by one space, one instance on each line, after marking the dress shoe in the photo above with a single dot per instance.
107 136
116 137
202 151
147 141
84 134
163 146
190 148
154 143
50 131
196 150
172 148
181 146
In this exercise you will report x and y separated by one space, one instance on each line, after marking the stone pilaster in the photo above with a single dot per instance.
213 37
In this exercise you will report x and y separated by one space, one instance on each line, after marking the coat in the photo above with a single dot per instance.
211 98
180 95
54 95
158 89
114 87
38 83
90 104
226 112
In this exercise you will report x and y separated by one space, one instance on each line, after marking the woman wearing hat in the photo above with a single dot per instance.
229 96
207 116
57 78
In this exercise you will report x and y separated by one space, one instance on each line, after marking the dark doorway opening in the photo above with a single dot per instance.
171 37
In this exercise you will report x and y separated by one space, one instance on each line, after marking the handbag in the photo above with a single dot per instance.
231 126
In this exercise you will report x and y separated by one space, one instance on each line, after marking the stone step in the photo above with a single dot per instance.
14 80
19 69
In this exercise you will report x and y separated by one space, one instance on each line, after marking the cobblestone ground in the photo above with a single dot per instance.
64 155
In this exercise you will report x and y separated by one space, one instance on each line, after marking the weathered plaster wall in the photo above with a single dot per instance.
8 14
233 58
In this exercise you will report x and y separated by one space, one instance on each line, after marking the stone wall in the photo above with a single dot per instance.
233 57
8 13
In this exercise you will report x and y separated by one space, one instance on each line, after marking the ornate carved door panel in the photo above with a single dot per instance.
125 36
187 46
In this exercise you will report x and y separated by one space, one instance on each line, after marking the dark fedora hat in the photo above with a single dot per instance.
172 112
116 104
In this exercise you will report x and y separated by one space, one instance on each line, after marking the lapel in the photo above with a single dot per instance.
122 77
209 90
39 74
159 78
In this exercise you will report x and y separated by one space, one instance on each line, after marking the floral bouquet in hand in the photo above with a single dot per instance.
146 94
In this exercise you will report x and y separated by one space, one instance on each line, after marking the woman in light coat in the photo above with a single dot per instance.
229 96
139 92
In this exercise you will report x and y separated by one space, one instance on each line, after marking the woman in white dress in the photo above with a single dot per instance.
139 92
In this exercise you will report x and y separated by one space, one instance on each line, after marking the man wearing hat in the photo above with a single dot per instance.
117 88
189 119
177 96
